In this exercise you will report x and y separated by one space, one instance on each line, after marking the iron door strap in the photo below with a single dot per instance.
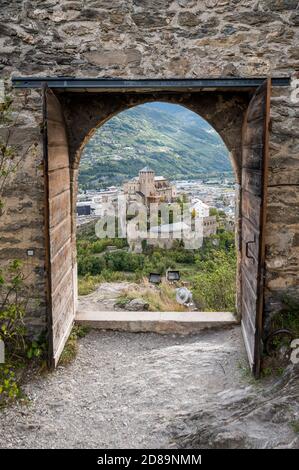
247 248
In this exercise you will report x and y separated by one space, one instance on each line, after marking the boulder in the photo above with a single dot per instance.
137 305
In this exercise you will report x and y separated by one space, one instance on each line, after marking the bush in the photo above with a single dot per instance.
12 309
13 332
90 265
100 245
124 261
183 256
9 388
214 287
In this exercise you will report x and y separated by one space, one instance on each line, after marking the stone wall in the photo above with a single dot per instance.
22 220
149 38
152 39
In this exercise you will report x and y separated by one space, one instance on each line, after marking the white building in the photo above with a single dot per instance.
201 209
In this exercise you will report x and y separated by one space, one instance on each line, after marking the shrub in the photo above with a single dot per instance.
12 309
183 256
124 261
9 388
90 265
215 286
13 332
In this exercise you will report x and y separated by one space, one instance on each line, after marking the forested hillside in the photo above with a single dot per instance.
170 139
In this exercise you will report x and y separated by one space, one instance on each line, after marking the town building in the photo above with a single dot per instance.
163 236
199 208
149 188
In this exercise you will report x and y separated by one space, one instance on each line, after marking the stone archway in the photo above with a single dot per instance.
83 113
224 112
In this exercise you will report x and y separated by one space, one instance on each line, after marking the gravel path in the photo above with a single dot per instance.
124 390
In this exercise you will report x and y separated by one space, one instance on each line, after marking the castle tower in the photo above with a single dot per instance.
147 181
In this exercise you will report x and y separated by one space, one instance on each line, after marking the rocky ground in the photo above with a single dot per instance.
147 390
105 296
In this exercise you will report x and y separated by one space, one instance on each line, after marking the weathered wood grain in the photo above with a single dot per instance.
61 266
254 182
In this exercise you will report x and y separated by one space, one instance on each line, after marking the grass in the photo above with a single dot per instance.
160 299
187 271
88 284
273 370
71 348
247 375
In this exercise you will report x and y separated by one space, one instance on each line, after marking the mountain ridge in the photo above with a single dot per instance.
170 139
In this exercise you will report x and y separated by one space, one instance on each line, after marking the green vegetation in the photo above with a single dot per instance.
210 271
170 139
71 348
89 283
214 285
19 349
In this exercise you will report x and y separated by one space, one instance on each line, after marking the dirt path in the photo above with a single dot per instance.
136 391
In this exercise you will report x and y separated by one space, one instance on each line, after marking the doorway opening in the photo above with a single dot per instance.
239 115
161 157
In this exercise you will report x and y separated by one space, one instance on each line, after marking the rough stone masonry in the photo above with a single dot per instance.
152 39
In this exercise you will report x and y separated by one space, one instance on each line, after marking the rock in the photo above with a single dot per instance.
211 3
158 5
228 29
188 18
254 17
229 71
90 14
113 58
294 18
151 19
137 305
187 3
244 418
280 5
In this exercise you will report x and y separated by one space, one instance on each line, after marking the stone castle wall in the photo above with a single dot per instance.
152 39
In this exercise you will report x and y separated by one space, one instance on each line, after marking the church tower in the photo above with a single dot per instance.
147 181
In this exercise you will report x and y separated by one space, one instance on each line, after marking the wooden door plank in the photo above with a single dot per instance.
255 145
59 222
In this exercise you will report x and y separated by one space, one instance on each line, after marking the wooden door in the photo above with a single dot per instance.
253 207
60 268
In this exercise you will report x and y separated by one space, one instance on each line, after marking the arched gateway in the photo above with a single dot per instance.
242 119
153 52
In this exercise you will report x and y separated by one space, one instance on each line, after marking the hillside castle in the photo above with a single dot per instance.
150 188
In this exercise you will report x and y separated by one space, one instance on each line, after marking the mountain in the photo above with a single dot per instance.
172 140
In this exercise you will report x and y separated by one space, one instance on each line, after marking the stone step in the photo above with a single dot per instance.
156 322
